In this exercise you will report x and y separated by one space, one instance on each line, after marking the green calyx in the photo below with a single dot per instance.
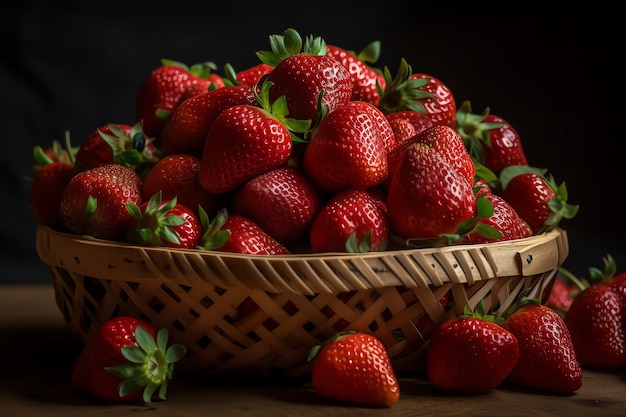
151 364
154 224
213 237
474 130
130 149
353 245
289 44
201 70
402 92
480 313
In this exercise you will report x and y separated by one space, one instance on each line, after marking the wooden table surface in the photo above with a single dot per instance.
38 352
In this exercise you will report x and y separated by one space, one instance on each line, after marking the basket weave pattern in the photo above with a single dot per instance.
242 312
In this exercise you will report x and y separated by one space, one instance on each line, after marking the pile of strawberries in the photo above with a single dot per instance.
312 150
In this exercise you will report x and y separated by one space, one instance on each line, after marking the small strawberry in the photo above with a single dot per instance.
403 130
161 91
283 202
247 237
354 368
548 360
352 221
45 194
419 121
122 362
158 222
94 201
471 353
562 295
249 76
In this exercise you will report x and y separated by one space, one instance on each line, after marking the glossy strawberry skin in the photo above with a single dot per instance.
504 219
548 360
247 237
243 142
351 210
301 77
356 369
529 195
419 121
113 186
45 194
94 151
364 78
185 130
506 146
252 75
283 202
470 355
596 322
441 107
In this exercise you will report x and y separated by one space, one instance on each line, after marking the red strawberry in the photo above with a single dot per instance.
547 360
561 296
158 222
385 132
45 194
471 353
536 198
352 221
161 91
490 139
354 368
185 130
364 77
304 74
94 201
283 202
178 176
403 130
419 121
249 76
122 362
245 236
346 151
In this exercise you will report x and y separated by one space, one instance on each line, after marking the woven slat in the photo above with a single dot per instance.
264 313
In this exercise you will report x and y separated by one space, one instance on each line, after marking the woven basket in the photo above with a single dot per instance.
243 313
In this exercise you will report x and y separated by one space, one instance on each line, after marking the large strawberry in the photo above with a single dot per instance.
548 360
283 202
311 81
354 368
471 353
347 150
122 362
161 91
45 194
352 221
94 201
186 127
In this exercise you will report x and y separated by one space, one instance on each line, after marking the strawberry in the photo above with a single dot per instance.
94 201
562 295
385 132
161 91
185 130
352 221
403 130
418 92
178 176
548 360
45 194
536 198
490 139
364 78
245 236
309 79
250 76
283 202
347 150
354 368
471 353
419 121
158 222
122 362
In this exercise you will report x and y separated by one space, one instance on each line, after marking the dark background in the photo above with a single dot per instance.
554 76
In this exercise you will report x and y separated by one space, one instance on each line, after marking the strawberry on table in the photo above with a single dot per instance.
354 368
123 362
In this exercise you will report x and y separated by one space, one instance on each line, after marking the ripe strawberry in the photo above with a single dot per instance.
403 130
306 76
249 76
283 202
427 197
548 360
490 139
161 91
419 121
178 176
536 198
122 362
562 295
364 77
471 353
158 222
346 151
94 201
185 130
418 92
45 194
245 236
354 368
352 221
385 132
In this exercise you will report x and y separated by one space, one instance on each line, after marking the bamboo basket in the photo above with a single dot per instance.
246 313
